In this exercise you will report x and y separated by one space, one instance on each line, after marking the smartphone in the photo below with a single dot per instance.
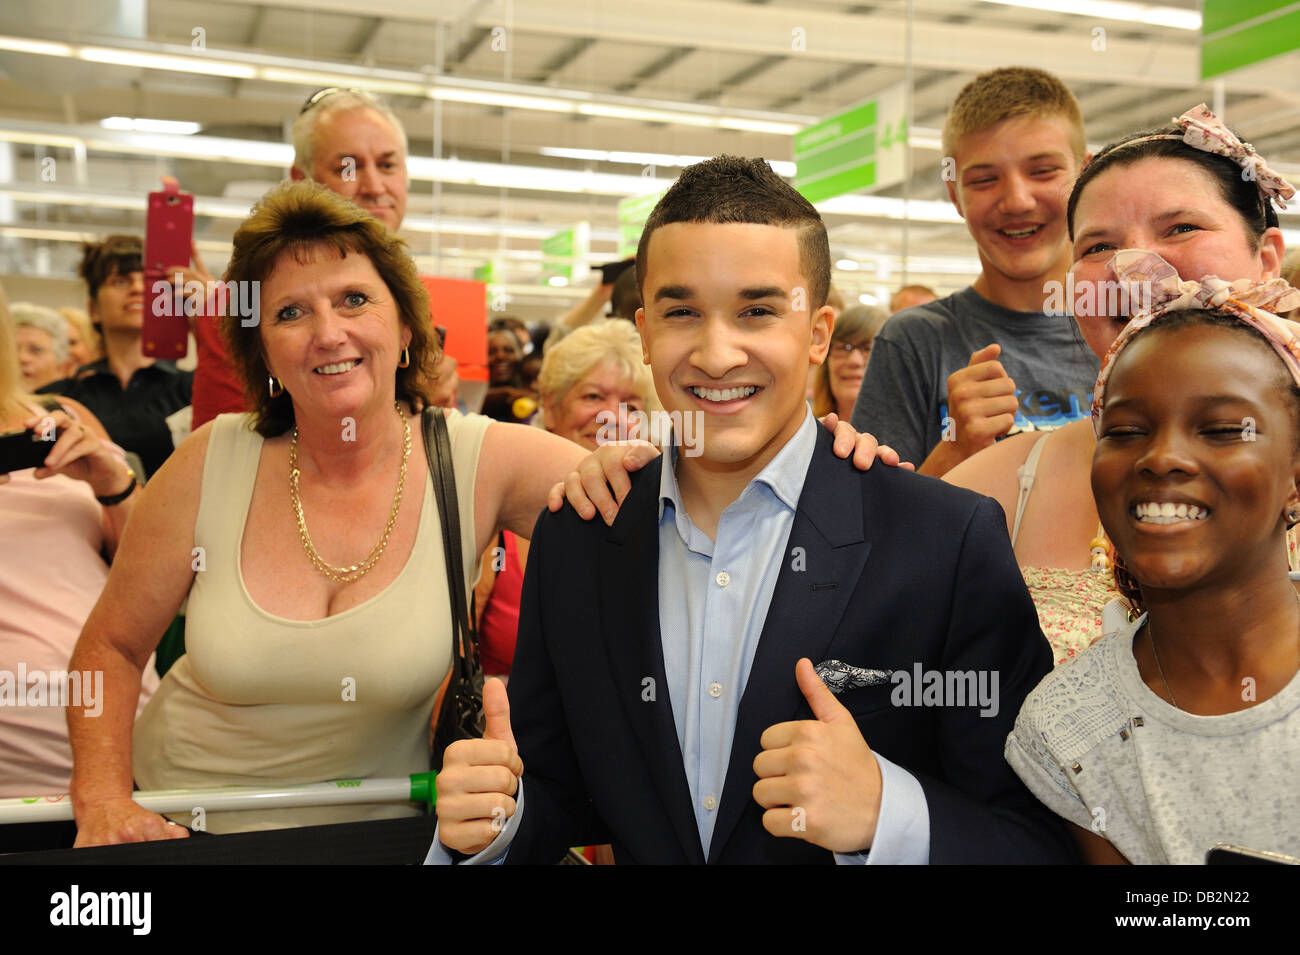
167 233
25 449
1224 854
610 272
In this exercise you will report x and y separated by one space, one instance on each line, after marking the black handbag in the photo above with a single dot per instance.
461 715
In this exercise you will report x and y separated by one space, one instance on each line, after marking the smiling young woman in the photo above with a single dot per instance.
839 378
1177 731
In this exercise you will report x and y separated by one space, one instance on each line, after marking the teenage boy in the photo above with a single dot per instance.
948 378
664 696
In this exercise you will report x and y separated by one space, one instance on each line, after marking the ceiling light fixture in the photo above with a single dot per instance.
163 61
20 44
780 167
274 69
166 126
1150 14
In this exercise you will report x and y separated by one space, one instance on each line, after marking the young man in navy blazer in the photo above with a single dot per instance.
769 656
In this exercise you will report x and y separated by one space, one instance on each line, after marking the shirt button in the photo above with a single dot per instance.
723 578
710 803
715 690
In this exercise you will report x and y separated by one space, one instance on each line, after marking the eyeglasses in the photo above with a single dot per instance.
844 349
325 93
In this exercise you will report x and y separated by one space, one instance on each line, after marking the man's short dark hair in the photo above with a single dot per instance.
730 189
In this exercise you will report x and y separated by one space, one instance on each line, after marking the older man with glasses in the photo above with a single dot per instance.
347 140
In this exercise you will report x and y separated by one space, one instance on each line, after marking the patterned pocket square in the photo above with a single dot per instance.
839 676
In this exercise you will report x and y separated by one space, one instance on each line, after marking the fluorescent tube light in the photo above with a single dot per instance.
163 61
167 126
1150 14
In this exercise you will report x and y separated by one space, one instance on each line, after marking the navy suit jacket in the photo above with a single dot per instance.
895 569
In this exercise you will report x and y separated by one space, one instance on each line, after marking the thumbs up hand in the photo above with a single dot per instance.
496 713
818 779
479 779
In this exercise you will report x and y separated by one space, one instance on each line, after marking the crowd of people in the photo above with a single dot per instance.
1082 643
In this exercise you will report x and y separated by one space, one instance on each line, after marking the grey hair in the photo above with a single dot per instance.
304 127
45 319
614 340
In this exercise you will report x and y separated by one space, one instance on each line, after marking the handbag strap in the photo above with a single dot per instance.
437 446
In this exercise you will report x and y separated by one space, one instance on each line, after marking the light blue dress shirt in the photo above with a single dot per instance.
713 601
710 633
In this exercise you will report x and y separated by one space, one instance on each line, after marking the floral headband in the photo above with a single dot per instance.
1154 284
1205 131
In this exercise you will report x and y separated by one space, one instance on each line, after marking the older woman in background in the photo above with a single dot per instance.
585 377
84 344
839 378
594 369
42 339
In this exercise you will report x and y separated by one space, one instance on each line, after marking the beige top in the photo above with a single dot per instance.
261 700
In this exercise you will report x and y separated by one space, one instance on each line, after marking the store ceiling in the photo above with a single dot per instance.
718 61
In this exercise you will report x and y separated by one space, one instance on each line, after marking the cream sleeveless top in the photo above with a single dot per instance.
260 700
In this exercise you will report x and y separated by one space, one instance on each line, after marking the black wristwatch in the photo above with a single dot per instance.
112 499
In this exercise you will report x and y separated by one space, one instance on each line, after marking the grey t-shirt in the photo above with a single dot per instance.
1099 748
904 396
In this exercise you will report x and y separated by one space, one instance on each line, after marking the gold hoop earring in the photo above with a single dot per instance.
273 387
405 361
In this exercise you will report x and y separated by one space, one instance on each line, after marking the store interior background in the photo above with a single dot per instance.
529 117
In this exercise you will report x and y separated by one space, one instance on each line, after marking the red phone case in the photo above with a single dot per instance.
167 243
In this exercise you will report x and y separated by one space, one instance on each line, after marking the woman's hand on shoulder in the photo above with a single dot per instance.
863 446
115 821
600 481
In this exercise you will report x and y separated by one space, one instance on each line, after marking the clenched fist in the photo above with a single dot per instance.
981 401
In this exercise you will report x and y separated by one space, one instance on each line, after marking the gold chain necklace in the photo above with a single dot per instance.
346 575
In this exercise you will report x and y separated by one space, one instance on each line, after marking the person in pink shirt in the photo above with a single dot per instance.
63 522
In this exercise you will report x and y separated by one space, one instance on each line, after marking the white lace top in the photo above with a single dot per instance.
1099 748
